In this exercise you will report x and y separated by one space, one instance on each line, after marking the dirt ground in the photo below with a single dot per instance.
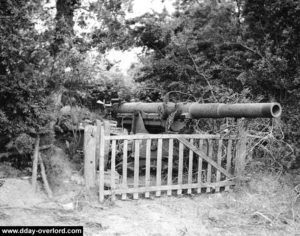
267 205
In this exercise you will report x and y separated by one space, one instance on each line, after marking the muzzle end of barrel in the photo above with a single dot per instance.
276 110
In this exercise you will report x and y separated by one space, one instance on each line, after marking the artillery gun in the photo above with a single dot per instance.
142 117
159 117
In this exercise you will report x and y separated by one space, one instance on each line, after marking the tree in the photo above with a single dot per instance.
195 51
273 30
23 66
36 67
64 23
213 50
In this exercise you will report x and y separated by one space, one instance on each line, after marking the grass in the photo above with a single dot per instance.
266 205
268 201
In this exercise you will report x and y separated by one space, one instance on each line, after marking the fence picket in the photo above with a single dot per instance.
241 150
158 169
199 180
190 171
180 167
113 169
136 167
170 165
124 174
101 165
208 179
148 156
229 157
219 160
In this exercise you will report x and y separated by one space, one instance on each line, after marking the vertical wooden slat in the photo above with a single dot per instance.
199 180
90 150
148 158
210 148
124 174
101 165
190 171
219 160
136 167
229 157
106 126
180 167
97 149
158 168
170 165
241 150
112 170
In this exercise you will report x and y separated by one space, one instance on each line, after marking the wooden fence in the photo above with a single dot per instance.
155 164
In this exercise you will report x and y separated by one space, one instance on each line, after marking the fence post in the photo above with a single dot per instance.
101 164
241 149
89 156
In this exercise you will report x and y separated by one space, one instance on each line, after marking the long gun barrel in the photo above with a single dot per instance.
154 115
205 110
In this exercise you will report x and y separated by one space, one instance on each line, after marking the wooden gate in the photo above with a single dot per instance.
155 164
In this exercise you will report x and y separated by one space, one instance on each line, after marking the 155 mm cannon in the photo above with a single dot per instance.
156 114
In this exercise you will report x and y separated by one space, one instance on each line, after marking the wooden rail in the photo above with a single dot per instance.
168 136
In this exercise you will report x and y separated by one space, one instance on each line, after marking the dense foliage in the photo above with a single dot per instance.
239 44
24 62
210 51
42 60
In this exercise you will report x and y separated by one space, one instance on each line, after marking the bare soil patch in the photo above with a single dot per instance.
267 205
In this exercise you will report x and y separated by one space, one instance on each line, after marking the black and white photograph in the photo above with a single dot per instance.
150 117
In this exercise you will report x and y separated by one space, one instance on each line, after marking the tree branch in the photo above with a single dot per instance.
44 177
35 162
202 74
